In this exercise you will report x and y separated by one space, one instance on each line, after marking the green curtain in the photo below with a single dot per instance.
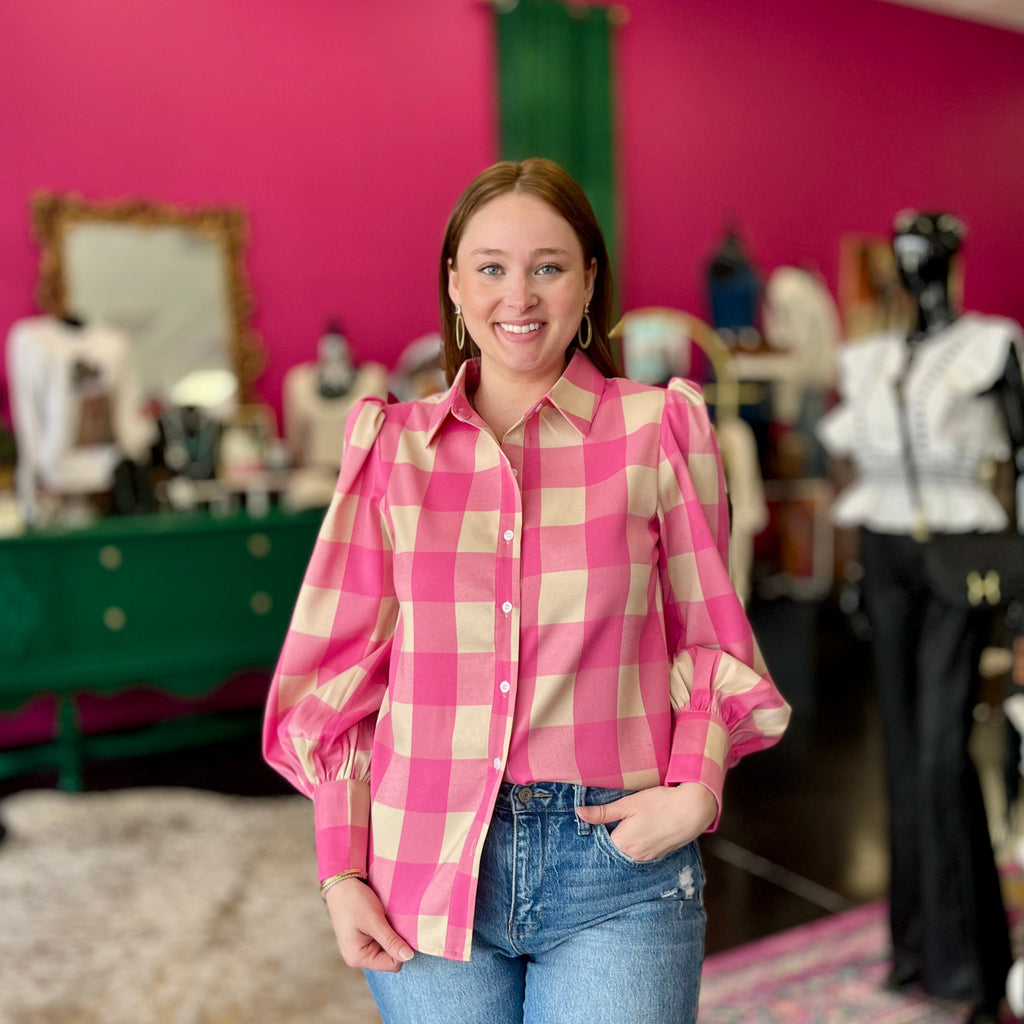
555 89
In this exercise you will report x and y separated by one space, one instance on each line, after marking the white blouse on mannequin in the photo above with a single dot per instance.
955 428
76 407
314 426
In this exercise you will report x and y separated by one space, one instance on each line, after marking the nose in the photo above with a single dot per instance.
520 295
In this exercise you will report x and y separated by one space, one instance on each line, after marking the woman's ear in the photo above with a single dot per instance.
453 283
591 277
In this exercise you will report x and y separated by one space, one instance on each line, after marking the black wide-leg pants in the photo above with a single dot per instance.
949 928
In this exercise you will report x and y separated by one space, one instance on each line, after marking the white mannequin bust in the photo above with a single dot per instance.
317 398
76 408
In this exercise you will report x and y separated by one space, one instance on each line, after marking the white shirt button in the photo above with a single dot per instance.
507 607
505 686
508 535
497 763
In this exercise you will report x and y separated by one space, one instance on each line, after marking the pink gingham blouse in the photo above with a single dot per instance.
556 607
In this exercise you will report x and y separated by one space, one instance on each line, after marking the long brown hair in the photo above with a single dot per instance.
546 180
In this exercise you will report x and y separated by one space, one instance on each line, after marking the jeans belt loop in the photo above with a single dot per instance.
583 828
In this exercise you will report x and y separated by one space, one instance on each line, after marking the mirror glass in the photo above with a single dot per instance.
172 279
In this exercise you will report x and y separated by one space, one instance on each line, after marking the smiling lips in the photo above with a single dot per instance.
521 328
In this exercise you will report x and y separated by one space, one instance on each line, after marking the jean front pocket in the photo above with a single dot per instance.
603 837
677 860
678 875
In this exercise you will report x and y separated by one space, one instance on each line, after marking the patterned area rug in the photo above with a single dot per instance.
829 972
167 906
176 906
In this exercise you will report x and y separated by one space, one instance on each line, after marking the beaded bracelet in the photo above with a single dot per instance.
329 883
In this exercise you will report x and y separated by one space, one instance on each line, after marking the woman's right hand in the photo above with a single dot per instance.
365 936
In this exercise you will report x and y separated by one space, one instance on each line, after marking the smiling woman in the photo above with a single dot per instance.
562 219
520 725
521 285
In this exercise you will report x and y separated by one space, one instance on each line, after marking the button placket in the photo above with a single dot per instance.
507 592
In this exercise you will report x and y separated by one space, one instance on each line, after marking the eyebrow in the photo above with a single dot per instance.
536 252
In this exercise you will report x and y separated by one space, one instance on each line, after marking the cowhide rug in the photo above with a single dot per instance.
167 906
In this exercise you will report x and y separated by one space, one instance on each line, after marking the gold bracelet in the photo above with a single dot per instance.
329 883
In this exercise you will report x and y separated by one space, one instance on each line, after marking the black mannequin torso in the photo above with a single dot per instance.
925 245
335 371
947 921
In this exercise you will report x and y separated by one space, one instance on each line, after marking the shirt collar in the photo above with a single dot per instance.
576 395
455 402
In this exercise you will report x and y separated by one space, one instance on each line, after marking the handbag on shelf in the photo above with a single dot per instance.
976 570
968 570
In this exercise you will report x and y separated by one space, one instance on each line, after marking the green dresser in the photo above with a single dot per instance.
175 602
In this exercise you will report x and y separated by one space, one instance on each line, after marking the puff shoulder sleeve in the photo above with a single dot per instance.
859 363
725 703
333 669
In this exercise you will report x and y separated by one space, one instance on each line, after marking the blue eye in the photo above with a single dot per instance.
548 269
490 270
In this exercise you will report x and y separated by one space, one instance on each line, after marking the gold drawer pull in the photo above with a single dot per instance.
111 557
260 602
114 619
258 545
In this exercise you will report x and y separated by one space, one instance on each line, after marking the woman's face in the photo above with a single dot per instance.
520 279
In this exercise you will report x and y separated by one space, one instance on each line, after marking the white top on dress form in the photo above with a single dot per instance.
314 426
76 407
955 428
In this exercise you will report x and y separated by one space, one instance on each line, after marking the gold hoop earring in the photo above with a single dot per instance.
590 328
460 329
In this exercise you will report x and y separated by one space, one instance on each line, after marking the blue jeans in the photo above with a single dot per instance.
567 927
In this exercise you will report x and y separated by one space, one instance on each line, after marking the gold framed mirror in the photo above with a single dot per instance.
172 279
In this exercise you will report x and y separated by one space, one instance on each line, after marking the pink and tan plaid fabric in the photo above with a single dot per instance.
553 608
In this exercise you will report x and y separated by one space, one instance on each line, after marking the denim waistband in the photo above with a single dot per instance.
553 796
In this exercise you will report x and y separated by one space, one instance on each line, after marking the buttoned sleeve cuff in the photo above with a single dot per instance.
700 747
341 812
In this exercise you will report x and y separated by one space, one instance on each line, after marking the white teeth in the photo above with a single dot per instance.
519 328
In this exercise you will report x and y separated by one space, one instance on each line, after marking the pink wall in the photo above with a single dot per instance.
808 120
346 130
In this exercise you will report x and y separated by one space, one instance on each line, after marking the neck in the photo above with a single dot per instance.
503 403
336 379
934 312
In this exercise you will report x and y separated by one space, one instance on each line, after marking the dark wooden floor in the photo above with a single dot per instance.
803 832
